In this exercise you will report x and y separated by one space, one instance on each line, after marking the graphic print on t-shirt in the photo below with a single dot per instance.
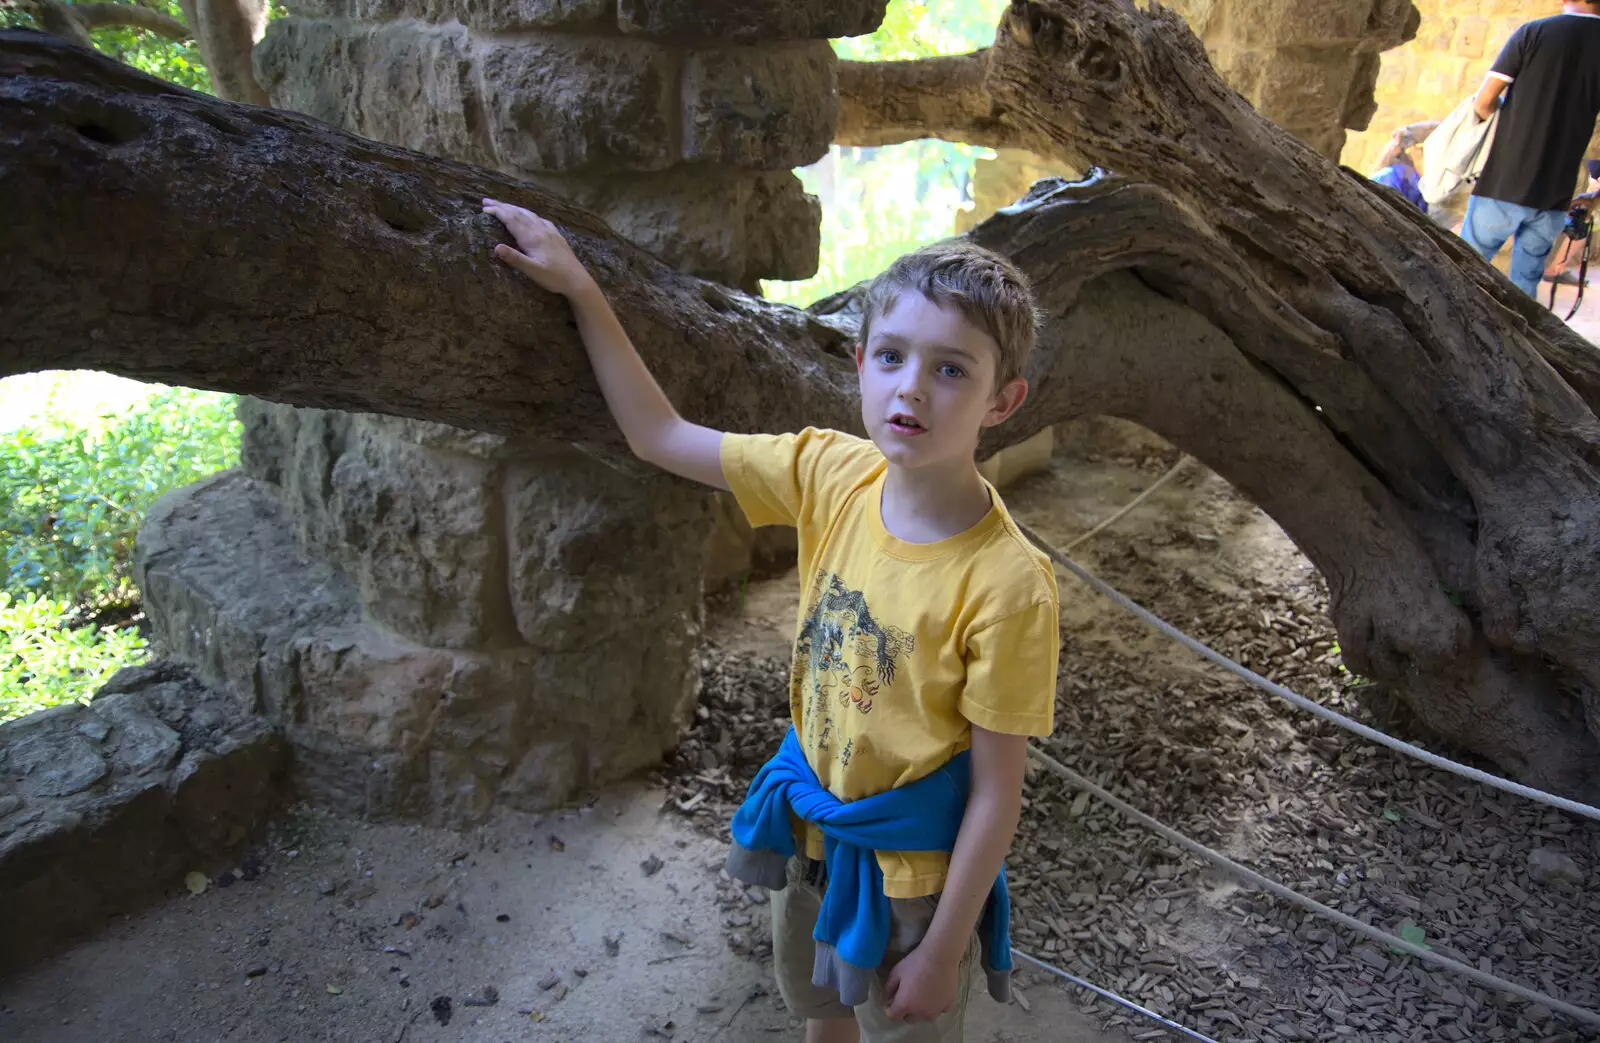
845 656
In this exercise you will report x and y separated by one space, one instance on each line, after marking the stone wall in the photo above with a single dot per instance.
1426 78
439 620
104 804
1309 67
678 122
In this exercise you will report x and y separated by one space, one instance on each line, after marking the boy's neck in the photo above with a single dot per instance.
933 503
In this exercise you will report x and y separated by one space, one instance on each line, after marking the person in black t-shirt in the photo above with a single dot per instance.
1549 74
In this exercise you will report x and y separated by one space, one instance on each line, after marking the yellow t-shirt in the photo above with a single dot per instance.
899 647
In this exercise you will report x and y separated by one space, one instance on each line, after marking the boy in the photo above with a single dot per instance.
925 655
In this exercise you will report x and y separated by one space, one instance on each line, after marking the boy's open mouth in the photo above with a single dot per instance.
906 424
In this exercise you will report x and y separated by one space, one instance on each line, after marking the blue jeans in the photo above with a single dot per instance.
1490 222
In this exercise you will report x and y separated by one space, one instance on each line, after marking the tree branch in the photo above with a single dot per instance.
885 103
226 32
1377 390
99 16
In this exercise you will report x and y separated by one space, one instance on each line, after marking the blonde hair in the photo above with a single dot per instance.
988 290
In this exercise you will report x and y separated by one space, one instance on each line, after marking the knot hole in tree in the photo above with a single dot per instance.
1034 27
106 125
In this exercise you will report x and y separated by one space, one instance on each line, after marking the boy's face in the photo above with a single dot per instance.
928 383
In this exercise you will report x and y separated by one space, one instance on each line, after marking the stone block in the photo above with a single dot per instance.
407 509
484 15
222 578
1272 24
734 226
383 726
1438 34
566 518
419 530
1471 36
405 83
1361 101
767 108
1015 462
751 20
1305 96
102 805
1444 78
736 552
564 102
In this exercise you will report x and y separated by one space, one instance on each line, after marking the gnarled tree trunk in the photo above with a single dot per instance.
1420 429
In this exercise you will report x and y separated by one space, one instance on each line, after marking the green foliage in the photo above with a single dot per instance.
72 494
882 202
47 658
879 203
925 30
73 491
148 52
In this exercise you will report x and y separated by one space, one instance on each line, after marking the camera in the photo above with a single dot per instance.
1577 224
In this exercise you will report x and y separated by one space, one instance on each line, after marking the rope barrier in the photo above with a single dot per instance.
1244 873
1106 523
1296 699
1255 879
1113 997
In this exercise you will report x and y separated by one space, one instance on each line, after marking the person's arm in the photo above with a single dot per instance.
924 984
653 428
1506 68
1489 96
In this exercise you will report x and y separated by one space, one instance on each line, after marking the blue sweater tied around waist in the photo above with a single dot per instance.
853 924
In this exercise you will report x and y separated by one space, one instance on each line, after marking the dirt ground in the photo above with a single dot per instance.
563 920
360 931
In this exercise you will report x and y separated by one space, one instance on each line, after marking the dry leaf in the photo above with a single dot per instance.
196 883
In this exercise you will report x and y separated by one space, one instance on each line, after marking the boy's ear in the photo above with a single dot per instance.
861 356
1006 401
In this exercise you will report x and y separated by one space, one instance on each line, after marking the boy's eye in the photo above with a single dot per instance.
950 369
888 356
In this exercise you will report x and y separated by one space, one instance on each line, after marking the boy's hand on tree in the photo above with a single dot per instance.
922 986
542 252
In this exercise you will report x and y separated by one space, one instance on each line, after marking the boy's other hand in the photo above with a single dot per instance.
922 986
542 252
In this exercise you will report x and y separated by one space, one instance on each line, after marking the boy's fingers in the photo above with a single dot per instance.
513 257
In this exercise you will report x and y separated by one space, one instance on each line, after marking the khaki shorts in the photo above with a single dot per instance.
794 917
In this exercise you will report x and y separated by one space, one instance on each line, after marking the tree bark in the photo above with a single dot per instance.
226 32
885 103
163 235
1465 408
1416 425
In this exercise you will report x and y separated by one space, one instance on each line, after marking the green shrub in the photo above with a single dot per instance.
72 495
48 658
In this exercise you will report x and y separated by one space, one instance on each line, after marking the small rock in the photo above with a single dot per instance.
1549 866
549 981
441 1009
255 972
582 972
613 944
487 998
651 865
434 901
558 994
325 886
503 918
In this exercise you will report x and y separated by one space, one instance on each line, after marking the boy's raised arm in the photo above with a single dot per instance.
653 428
